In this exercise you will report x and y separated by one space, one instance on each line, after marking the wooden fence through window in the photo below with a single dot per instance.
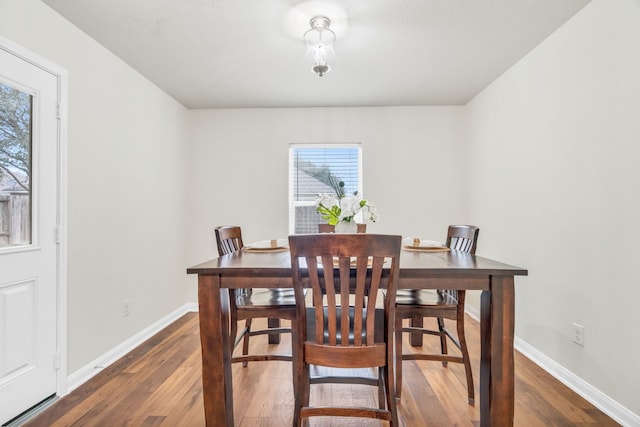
15 218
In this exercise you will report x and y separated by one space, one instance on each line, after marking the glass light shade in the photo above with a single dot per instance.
319 34
319 39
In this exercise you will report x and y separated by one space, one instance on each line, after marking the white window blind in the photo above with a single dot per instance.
314 169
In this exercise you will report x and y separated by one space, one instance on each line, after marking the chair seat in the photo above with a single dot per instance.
266 298
424 297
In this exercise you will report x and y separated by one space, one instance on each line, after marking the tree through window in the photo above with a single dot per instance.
15 166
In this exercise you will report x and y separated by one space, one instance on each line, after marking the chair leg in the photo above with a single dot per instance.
273 323
297 422
387 375
234 332
443 338
306 389
465 358
301 398
382 397
301 381
297 370
398 356
416 337
233 319
245 343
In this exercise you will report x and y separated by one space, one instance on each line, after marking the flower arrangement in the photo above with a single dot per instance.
338 207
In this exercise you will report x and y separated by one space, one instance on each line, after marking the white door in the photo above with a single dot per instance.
28 248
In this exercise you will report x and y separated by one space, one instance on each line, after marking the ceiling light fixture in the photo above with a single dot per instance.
319 39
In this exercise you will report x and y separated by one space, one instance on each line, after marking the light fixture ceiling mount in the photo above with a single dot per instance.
319 39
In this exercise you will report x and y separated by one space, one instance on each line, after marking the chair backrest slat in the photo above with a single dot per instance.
374 287
360 304
344 269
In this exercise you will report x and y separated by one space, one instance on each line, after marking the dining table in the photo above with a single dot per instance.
418 270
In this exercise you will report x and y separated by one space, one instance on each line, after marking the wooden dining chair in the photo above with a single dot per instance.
248 304
328 228
440 304
344 270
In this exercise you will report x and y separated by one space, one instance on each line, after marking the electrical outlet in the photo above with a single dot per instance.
125 308
578 334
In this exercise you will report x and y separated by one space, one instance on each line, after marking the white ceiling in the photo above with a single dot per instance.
249 53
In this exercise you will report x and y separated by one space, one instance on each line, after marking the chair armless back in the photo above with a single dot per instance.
463 238
344 270
228 239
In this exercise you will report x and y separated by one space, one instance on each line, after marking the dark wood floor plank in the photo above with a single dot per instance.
159 384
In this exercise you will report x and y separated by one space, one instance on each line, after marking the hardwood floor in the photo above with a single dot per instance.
159 384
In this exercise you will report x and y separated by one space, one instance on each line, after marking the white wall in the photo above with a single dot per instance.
554 147
126 185
413 159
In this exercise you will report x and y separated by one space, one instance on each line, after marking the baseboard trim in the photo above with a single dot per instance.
473 312
84 374
594 396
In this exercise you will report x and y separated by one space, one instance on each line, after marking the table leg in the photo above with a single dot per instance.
496 353
217 389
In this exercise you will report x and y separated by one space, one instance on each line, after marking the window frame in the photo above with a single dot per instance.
294 146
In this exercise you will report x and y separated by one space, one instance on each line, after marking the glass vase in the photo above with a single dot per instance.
346 227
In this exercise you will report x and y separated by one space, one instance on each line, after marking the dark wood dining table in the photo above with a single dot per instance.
418 270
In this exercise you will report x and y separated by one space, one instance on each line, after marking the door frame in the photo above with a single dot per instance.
61 204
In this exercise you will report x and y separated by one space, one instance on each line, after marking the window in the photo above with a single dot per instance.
15 167
312 167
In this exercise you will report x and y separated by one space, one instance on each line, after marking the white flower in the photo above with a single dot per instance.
337 207
349 206
327 200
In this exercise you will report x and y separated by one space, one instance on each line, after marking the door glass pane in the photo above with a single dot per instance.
15 166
